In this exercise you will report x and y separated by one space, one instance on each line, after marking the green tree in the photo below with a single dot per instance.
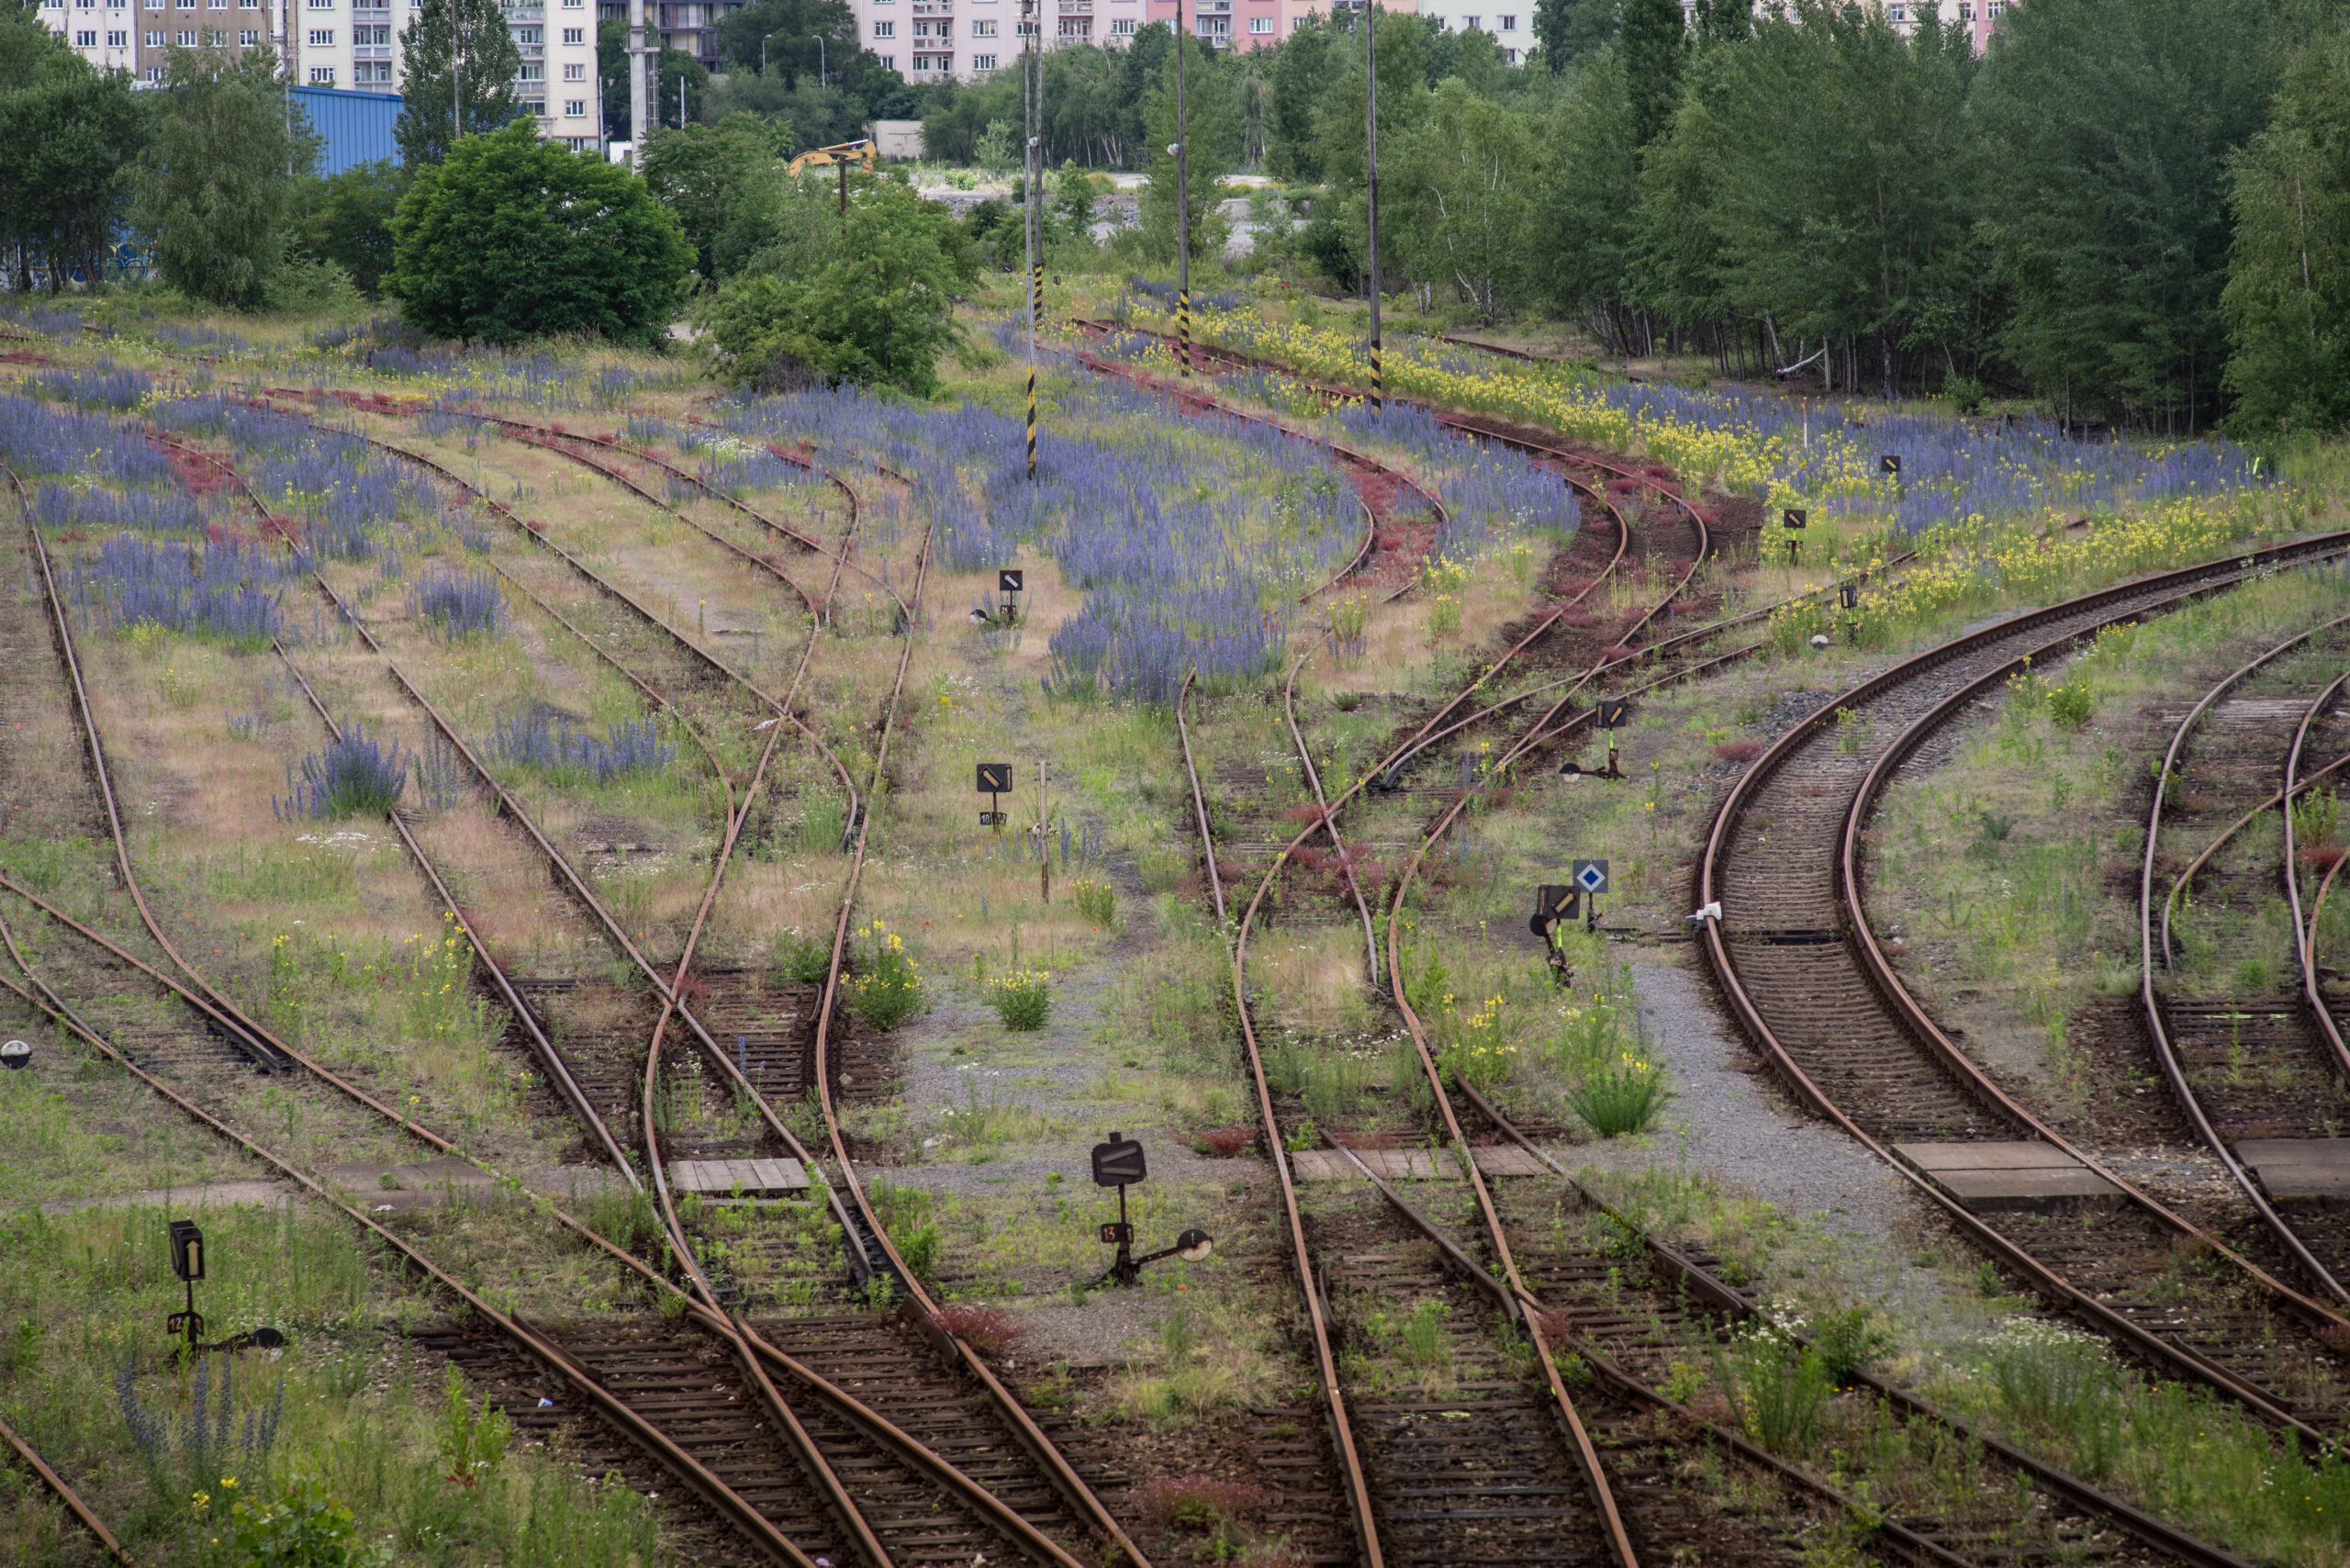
1583 246
2288 295
347 219
216 191
1817 182
66 133
1304 67
2107 202
701 171
1073 196
1214 131
1570 29
879 310
781 36
1654 46
458 57
1461 188
511 237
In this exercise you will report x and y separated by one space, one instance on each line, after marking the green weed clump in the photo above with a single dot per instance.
887 988
1612 1084
1022 999
1098 902
803 960
1778 1387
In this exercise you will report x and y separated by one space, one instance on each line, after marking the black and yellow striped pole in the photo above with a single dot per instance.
1182 151
1371 185
1032 165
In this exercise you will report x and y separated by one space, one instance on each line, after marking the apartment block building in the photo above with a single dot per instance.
341 43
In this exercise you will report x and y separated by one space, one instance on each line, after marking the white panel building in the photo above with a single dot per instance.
343 43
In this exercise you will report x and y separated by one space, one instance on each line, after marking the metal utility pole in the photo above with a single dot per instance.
1182 202
639 95
1035 126
1032 15
1371 184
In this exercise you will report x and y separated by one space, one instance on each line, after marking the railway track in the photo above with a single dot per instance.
2260 1076
70 1499
1808 981
991 1514
1521 1478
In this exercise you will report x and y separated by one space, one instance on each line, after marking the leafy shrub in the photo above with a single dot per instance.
1477 1052
471 1446
304 1527
1098 902
2068 702
905 1214
1022 999
1620 1097
1776 1387
887 988
804 960
1850 1340
1196 1502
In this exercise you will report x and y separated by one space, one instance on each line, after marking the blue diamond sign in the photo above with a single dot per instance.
1591 875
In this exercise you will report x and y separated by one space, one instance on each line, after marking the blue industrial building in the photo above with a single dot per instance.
355 127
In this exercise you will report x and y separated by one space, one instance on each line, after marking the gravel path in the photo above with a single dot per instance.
1729 1121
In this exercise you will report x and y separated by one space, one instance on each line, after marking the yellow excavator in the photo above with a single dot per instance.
860 153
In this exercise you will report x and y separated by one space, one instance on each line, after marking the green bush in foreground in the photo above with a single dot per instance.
1022 999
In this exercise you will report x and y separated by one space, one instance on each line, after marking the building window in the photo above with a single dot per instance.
1901 12
1077 27
1261 24
1992 10
983 63
1512 54
983 29
1474 24
186 41
1966 10
1122 27
574 108
154 38
575 74
375 75
322 38
118 40
321 75
888 62
947 30
85 40
1509 24
533 73
575 35
154 74
885 29
248 39
530 35
922 65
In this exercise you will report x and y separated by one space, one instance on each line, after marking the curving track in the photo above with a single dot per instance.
1810 983
913 1500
